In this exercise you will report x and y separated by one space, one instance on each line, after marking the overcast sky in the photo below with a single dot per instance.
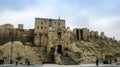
98 15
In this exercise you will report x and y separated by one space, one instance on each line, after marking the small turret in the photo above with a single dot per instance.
20 26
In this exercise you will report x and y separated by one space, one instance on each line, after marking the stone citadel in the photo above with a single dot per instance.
55 43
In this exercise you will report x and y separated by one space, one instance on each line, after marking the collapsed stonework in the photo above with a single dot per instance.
53 42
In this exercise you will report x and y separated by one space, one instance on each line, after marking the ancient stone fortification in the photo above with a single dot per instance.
55 43
8 33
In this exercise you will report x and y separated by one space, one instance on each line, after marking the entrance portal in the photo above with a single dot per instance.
59 49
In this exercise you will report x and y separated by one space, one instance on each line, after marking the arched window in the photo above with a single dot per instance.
41 27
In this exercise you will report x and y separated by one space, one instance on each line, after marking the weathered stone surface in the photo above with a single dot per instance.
37 40
19 50
57 58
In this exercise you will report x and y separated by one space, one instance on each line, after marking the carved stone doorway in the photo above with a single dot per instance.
59 49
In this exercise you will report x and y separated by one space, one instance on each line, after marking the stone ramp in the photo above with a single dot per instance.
49 59
66 60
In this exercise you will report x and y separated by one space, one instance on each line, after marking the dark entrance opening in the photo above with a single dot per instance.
59 49
77 34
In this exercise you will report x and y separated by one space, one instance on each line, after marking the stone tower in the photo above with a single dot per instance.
42 24
20 26
102 35
85 34
77 33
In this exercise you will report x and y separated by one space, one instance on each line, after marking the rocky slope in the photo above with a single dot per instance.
20 51
79 51
85 52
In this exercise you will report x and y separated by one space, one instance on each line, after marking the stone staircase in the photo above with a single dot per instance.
51 59
66 60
